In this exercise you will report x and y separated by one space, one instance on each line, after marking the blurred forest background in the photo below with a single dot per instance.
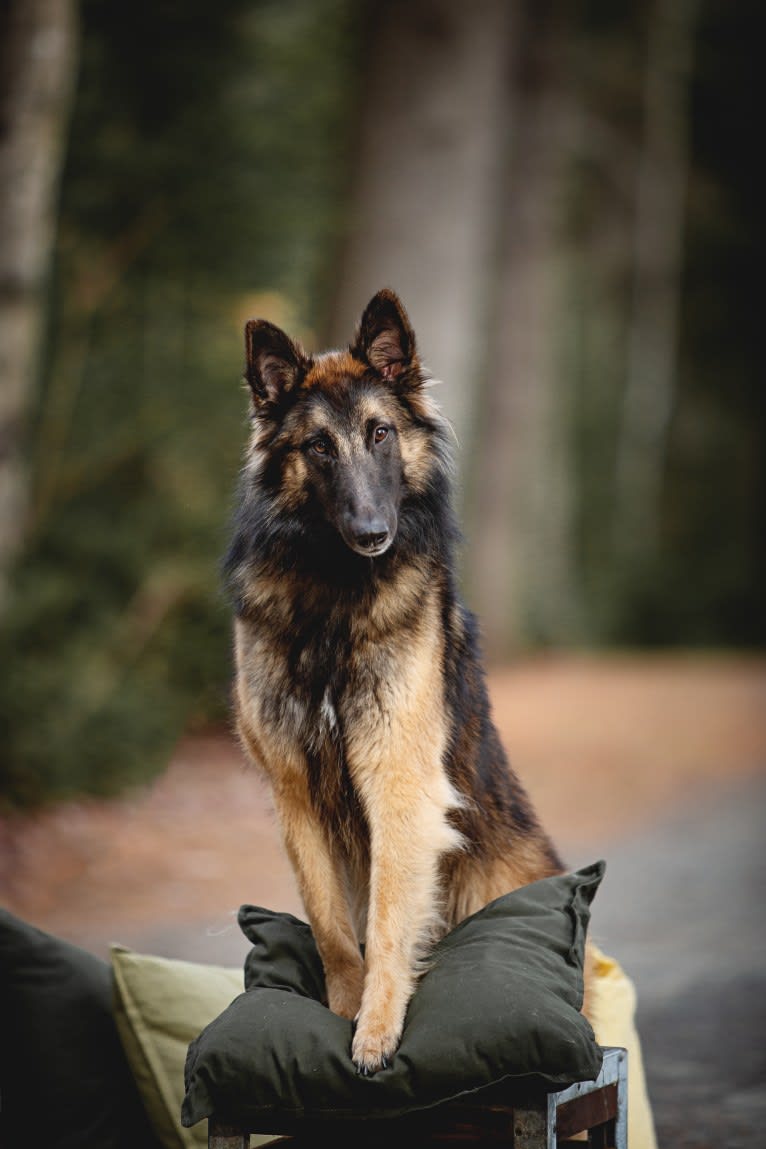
563 194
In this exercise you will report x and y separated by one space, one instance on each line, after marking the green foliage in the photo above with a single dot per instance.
204 179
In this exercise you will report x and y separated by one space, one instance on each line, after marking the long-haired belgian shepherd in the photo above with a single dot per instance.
359 687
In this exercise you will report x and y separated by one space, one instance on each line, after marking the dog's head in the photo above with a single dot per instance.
349 432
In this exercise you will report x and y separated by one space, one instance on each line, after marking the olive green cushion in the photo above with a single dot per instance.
160 1004
499 1004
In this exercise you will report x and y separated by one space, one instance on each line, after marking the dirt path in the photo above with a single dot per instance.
604 745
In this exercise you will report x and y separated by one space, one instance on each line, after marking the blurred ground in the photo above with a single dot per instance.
657 764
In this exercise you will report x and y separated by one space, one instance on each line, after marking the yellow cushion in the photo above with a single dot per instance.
612 1010
160 1005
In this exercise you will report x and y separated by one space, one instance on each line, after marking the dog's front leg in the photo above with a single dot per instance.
322 891
406 807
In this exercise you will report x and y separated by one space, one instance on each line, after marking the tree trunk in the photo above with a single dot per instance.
519 562
651 378
38 68
423 201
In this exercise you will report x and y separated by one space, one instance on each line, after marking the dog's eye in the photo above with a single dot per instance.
320 446
379 434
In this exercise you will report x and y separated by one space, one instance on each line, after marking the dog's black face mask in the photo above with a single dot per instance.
354 465
340 420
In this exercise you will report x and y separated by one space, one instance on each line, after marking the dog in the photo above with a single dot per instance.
358 684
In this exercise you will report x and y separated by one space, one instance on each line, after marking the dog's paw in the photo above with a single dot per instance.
373 1048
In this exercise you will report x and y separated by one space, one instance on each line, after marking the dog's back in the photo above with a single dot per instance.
359 685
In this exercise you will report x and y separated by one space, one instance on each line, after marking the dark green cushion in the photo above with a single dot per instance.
499 1004
64 1079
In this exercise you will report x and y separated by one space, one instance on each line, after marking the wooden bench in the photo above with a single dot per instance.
593 1113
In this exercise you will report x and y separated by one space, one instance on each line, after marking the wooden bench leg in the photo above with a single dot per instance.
226 1137
535 1127
621 1120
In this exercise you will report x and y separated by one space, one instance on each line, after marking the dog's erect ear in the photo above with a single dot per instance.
274 363
385 338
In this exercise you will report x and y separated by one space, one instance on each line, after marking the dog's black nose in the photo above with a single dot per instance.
370 540
369 533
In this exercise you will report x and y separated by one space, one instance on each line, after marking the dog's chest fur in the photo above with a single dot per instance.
318 690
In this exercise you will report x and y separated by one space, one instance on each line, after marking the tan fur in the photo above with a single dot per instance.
406 797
